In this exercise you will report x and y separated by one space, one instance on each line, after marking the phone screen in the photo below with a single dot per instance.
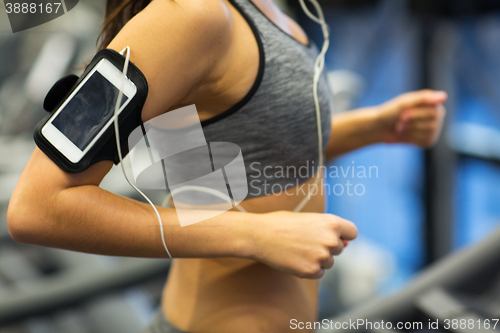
88 111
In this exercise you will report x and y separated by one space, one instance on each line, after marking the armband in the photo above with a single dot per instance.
72 96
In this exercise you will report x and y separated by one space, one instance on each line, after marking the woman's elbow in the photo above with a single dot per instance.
23 222
15 224
16 221
34 206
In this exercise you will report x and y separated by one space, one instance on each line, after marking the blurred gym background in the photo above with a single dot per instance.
418 208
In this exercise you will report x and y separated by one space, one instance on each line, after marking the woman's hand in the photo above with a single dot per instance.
415 118
301 244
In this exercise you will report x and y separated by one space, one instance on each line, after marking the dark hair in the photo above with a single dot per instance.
118 13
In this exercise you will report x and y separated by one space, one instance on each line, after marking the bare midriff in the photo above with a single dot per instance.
240 295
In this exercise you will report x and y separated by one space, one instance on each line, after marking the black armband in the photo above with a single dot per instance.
104 145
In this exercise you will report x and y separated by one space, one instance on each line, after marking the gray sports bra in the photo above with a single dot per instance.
266 143
275 123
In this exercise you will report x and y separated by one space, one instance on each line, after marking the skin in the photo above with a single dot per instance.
231 271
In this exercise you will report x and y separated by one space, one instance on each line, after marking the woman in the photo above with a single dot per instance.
243 64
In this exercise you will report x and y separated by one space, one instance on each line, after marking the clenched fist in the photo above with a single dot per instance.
414 118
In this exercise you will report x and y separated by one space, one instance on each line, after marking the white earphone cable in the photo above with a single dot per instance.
118 146
319 65
211 191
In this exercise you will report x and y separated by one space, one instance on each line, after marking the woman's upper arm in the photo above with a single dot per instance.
175 45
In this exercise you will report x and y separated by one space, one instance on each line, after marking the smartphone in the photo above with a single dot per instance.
89 111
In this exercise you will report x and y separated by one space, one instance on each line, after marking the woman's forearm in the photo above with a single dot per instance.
414 118
69 211
114 225
50 207
90 219
353 130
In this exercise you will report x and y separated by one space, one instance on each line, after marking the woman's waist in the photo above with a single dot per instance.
225 293
233 289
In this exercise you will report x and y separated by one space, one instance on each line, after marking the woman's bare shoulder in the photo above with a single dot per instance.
176 44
